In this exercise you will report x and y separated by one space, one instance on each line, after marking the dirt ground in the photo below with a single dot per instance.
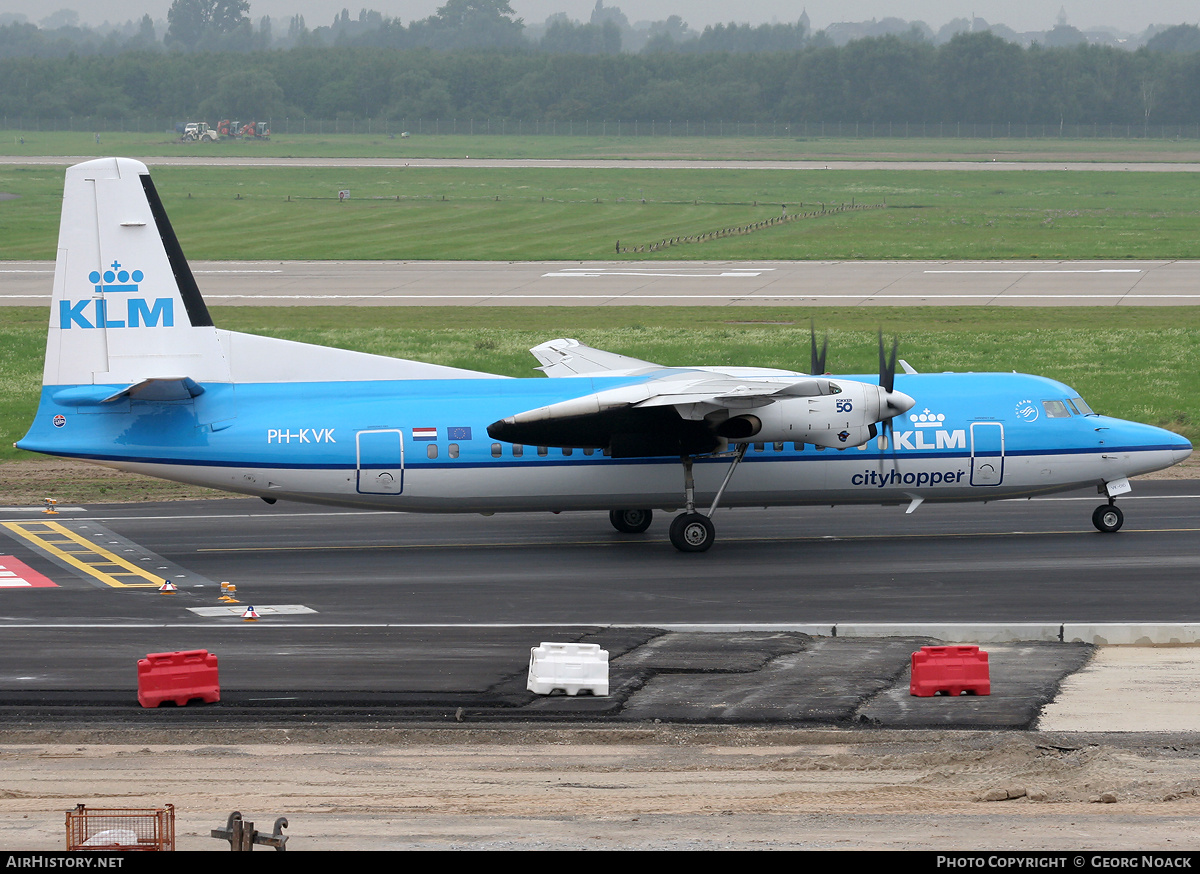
662 787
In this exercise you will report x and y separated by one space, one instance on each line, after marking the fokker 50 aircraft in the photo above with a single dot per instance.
138 378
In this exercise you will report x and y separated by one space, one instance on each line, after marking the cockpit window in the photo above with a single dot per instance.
1056 409
1081 405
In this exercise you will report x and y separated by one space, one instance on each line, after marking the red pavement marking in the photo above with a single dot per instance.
15 574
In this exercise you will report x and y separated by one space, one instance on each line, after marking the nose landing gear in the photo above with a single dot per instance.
1108 518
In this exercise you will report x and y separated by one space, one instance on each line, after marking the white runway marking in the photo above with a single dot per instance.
1105 270
584 272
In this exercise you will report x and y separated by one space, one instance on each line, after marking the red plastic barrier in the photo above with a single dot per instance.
949 670
178 677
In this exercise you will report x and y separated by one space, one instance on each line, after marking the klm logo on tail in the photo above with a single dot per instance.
138 312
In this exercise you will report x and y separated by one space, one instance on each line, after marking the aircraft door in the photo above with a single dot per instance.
987 453
380 461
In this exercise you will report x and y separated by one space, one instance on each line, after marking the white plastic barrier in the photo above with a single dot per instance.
571 667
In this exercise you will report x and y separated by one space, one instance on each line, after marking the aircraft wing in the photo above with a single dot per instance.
567 357
677 411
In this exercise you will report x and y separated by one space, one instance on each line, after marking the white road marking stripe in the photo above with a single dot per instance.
583 272
1106 270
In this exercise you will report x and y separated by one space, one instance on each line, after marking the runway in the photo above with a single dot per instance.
658 283
373 615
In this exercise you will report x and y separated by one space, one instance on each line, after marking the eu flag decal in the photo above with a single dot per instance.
458 433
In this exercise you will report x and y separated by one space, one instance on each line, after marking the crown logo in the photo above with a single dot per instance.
115 279
926 419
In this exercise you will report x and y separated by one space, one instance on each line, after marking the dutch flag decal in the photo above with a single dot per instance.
424 434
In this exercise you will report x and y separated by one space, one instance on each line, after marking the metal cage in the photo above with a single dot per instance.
116 829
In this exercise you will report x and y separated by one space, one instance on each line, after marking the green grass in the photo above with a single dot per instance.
783 147
1136 363
580 214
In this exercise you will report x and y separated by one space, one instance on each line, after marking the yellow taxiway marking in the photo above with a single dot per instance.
77 551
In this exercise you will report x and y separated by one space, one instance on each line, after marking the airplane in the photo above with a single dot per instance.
138 378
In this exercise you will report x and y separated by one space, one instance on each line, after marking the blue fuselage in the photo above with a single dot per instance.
422 445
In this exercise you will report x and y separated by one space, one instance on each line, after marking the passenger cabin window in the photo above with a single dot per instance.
518 450
778 447
759 447
452 450
588 451
431 450
1056 409
567 450
543 451
497 450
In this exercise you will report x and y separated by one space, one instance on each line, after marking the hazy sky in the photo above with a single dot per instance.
1020 15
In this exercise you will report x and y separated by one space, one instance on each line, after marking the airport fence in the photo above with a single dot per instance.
635 128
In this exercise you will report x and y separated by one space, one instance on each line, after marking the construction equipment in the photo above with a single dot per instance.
199 131
255 130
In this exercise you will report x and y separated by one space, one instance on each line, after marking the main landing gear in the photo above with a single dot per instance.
690 531
1108 518
631 521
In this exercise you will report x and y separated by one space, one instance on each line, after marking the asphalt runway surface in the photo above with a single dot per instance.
796 616
684 283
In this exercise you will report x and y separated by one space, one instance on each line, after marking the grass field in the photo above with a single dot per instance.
1136 363
783 147
561 214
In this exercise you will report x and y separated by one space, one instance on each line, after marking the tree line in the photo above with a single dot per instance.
974 77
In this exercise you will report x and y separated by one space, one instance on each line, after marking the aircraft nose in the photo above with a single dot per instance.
1181 450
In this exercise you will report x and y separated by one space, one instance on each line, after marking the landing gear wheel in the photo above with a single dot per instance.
1108 518
630 521
692 532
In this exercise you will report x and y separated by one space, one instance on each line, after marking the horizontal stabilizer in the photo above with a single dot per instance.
169 388
173 388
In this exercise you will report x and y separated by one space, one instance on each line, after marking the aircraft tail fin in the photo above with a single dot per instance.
125 307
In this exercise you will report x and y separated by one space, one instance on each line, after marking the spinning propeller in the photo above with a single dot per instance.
891 404
818 360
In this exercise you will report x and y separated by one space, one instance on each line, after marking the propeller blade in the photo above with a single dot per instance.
818 359
887 368
887 381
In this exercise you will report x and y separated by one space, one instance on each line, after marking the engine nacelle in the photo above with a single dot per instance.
846 417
